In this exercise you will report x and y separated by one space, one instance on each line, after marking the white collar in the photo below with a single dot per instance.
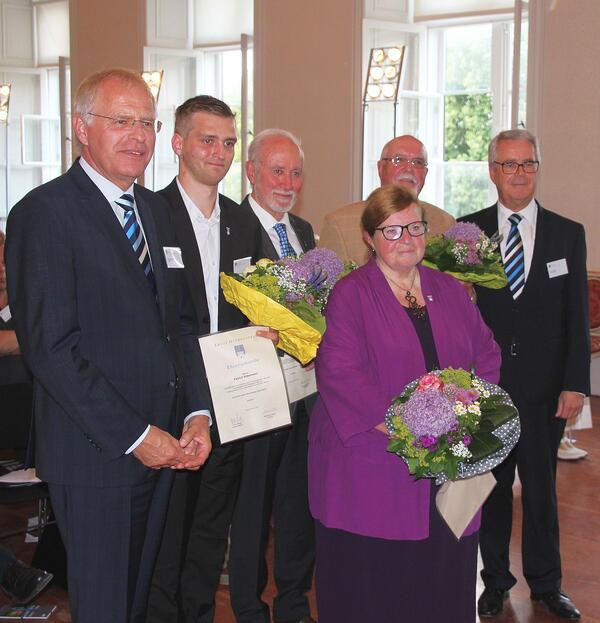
194 211
528 214
109 189
267 220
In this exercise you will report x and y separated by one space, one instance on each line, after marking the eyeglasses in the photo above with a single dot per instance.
512 166
125 123
394 232
398 161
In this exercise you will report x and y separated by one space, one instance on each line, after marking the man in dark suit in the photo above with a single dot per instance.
215 235
274 474
96 295
540 320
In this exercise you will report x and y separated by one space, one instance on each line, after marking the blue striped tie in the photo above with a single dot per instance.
514 257
135 235
284 244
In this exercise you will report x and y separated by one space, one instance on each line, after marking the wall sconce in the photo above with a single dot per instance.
154 81
4 102
383 75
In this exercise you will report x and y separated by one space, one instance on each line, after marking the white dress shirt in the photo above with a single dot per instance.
207 233
268 221
112 193
526 229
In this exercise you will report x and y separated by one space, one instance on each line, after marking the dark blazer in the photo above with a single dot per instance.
108 357
544 334
240 237
302 228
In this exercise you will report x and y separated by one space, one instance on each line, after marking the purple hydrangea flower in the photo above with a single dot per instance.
428 413
467 439
464 232
468 236
319 267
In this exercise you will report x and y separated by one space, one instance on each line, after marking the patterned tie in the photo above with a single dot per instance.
514 258
284 244
135 235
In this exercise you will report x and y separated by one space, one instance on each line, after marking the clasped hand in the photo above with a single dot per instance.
160 449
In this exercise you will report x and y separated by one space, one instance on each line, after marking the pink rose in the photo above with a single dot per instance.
429 381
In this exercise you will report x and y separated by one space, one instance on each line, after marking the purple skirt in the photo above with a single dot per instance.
360 579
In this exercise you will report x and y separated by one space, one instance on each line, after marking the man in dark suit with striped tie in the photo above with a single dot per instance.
274 474
98 299
540 320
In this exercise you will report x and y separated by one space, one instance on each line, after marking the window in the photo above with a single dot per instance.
212 71
454 96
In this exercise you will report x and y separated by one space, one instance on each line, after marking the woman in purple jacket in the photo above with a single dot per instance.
383 552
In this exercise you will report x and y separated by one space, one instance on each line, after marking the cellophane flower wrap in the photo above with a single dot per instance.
289 295
466 253
450 424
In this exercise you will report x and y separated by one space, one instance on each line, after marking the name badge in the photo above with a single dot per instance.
173 257
5 314
240 265
557 268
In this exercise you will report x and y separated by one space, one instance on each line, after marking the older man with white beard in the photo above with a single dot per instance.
274 473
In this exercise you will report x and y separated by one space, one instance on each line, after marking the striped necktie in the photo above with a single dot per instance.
135 235
284 244
514 258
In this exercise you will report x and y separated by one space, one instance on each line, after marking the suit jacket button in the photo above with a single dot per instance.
168 338
172 384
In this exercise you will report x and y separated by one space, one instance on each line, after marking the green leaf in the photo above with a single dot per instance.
483 444
500 414
310 314
395 445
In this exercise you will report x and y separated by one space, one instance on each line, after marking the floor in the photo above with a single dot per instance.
579 508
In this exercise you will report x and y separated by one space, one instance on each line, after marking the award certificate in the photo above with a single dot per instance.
299 381
246 383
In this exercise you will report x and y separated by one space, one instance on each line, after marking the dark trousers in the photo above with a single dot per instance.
274 480
535 458
187 571
111 535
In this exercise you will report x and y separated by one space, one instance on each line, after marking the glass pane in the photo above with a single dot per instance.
468 58
467 126
41 140
465 187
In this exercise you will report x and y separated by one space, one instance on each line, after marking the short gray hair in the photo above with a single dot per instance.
87 91
513 135
255 146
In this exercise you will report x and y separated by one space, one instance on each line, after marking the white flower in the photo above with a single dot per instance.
460 450
459 408
249 270
474 408
485 393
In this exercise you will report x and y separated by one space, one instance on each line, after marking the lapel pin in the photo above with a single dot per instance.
227 231
429 297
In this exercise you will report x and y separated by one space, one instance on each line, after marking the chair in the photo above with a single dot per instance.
594 300
15 421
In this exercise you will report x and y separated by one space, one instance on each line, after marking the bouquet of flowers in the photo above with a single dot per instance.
450 425
466 253
288 295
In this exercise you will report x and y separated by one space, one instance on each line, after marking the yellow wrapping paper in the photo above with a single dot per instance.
296 337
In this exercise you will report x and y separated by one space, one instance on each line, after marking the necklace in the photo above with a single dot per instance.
416 310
